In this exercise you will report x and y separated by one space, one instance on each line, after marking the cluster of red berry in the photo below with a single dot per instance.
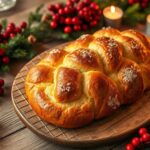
10 32
1 87
143 3
3 58
76 15
137 141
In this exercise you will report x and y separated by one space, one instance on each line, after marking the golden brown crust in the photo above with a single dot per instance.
131 81
68 85
138 36
84 59
103 92
40 74
110 52
90 78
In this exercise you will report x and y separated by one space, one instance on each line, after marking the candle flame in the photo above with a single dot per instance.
112 9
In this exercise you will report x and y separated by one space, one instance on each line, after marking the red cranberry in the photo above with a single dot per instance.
81 13
2 52
146 137
1 82
5 60
62 20
61 11
141 140
53 24
135 141
23 24
94 5
18 30
67 29
68 20
142 131
9 29
58 6
88 19
55 17
51 7
93 23
97 18
12 25
5 35
130 147
69 3
85 13
87 1
76 27
131 2
86 9
144 5
75 1
67 10
12 35
75 20
79 6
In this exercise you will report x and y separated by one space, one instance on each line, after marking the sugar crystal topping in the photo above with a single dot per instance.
113 102
86 55
112 46
66 87
129 74
134 45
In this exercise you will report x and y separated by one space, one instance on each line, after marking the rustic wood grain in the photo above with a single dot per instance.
26 140
9 122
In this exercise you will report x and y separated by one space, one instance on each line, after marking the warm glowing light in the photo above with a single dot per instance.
148 18
112 9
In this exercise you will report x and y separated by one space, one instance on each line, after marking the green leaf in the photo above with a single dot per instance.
4 68
147 10
39 8
35 16
18 47
4 24
19 53
31 54
131 9
3 46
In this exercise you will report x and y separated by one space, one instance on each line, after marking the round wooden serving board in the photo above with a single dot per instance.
119 125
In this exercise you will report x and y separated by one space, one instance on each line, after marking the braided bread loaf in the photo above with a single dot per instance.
90 77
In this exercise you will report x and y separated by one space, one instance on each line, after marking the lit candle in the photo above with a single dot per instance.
148 25
113 16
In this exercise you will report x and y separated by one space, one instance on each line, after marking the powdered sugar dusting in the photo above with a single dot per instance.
113 102
86 55
66 87
129 74
134 45
111 46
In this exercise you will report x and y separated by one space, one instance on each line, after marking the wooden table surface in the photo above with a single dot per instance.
13 133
